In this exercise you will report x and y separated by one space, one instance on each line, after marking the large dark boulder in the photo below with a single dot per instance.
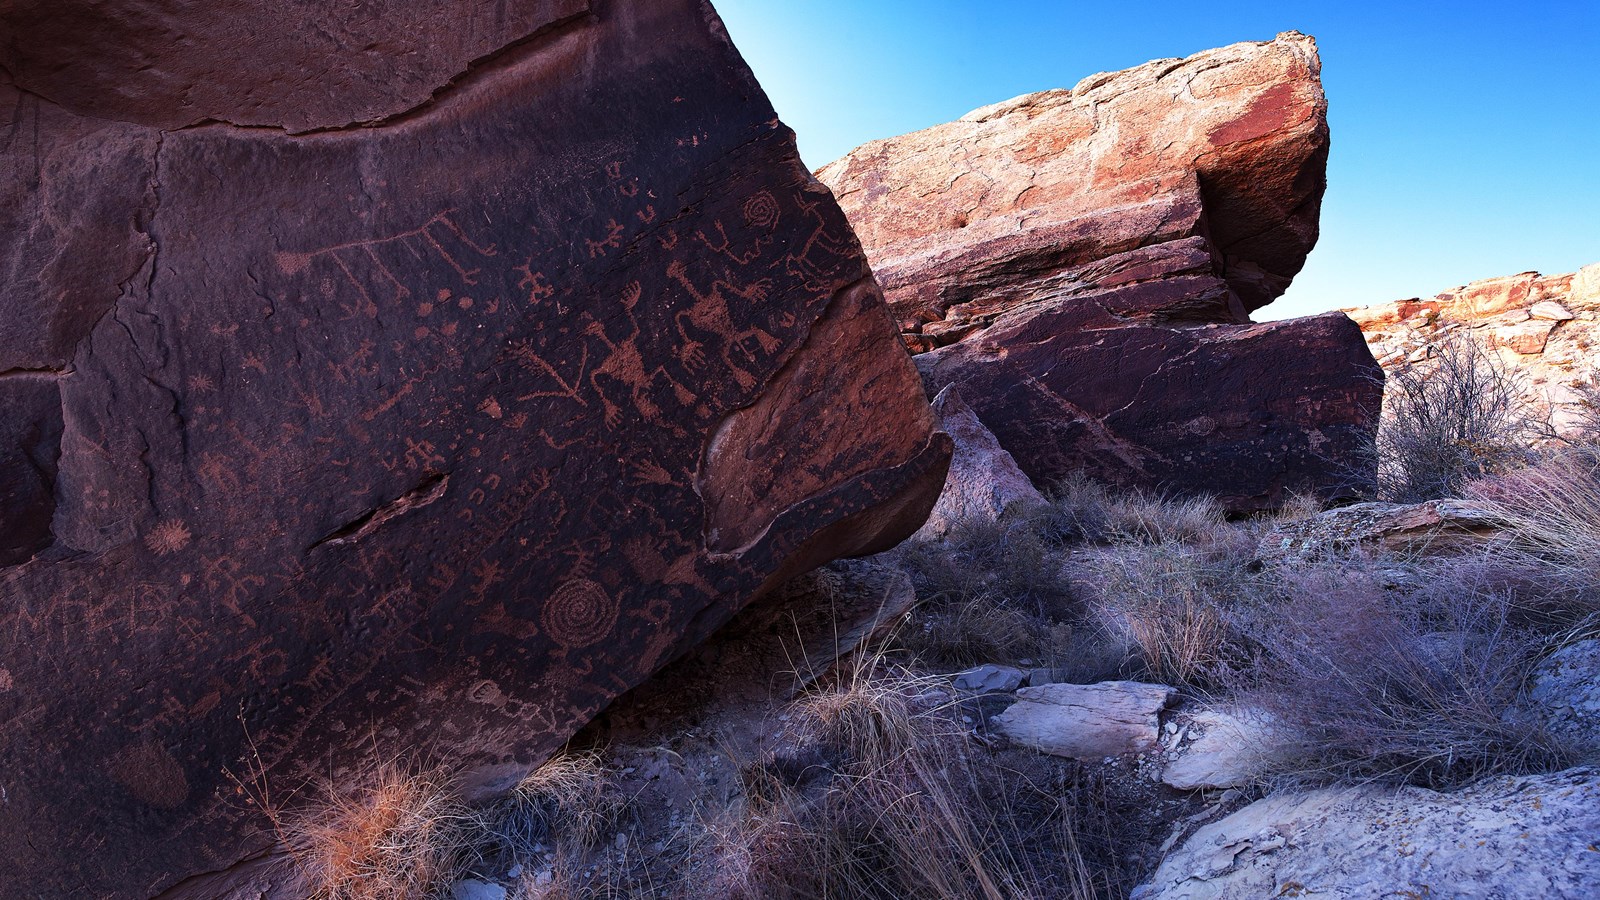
395 378
1084 264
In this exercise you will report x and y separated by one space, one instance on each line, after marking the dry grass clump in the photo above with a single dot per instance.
1551 512
1419 684
568 800
1178 606
402 835
1454 417
899 805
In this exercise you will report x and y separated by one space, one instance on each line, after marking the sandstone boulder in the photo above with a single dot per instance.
1083 263
1532 836
1542 328
984 482
395 377
1435 527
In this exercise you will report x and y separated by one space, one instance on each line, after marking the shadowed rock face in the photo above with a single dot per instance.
433 435
1069 253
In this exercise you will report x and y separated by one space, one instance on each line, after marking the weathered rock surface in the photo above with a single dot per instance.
1223 747
989 679
1565 695
506 355
1506 837
1083 263
1086 721
1435 527
984 482
1545 328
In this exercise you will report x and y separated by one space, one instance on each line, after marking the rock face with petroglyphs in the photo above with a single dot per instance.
1543 328
1084 263
410 377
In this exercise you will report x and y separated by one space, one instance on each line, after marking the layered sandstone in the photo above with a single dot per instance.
395 378
1543 328
1084 262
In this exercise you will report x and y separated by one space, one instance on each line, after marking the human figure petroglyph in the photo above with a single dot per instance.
816 273
624 364
710 314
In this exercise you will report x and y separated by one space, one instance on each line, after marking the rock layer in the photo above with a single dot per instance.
321 442
1544 328
1084 263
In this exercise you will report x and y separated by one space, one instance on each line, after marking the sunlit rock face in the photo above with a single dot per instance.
395 378
1084 263
1543 328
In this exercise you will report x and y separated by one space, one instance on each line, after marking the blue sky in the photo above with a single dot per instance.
1466 136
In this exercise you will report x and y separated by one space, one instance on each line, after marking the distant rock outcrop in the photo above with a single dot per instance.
1545 328
1083 263
395 377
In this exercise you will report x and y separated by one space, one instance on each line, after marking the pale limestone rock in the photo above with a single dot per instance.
1527 837
1566 695
989 679
1223 748
1087 721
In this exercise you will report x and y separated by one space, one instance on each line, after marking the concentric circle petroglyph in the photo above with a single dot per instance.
579 613
761 210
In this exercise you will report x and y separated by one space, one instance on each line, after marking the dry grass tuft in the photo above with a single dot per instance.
903 807
568 800
1179 607
403 835
1552 514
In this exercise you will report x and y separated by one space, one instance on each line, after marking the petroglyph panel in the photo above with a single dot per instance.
395 439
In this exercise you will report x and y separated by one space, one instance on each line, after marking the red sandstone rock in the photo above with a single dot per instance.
1543 328
322 441
1084 263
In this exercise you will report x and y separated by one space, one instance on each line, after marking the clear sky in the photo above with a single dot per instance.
1466 135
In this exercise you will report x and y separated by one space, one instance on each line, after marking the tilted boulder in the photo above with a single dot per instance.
984 484
395 377
1083 263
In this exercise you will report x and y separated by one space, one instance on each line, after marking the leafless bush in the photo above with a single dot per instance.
1456 416
1583 426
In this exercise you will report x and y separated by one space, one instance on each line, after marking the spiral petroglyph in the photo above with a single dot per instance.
580 613
761 210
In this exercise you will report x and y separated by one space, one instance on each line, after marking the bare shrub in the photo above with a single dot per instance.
1415 685
1583 423
1456 416
399 835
